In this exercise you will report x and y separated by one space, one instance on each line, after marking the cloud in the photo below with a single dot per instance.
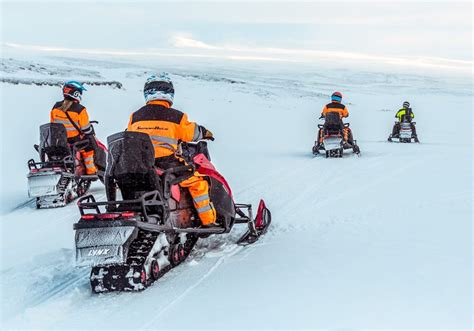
183 46
181 41
303 55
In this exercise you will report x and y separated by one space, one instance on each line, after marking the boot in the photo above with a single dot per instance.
317 146
212 225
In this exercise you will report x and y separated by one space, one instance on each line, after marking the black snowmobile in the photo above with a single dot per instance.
333 137
60 175
136 240
403 131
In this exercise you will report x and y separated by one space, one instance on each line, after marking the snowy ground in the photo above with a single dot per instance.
380 241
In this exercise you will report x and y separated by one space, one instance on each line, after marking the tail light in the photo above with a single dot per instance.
108 216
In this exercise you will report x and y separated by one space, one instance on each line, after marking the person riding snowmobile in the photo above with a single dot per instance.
75 118
404 114
166 126
335 106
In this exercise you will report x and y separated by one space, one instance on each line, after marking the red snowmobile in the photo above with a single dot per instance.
134 241
60 176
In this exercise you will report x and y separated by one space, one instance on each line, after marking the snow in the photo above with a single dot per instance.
378 241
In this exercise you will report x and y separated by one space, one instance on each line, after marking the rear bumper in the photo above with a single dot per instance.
45 183
331 143
103 245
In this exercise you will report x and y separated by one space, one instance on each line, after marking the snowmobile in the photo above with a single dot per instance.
333 140
59 177
132 242
405 133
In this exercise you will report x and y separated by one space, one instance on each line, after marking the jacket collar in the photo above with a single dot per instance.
160 103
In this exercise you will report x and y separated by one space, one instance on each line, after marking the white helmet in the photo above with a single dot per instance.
159 87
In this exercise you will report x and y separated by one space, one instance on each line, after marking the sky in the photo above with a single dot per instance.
432 34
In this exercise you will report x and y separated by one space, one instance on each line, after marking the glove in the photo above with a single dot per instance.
206 134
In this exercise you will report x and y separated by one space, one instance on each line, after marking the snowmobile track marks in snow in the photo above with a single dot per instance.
189 289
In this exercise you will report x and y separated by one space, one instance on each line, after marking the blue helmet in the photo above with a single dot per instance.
159 87
336 96
72 90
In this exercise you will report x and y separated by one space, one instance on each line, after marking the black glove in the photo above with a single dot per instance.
206 134
92 141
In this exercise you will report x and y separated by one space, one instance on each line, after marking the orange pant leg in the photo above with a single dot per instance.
199 189
346 134
88 158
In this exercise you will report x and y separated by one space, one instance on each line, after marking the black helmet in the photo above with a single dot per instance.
406 105
72 90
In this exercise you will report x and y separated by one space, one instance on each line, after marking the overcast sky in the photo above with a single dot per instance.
275 31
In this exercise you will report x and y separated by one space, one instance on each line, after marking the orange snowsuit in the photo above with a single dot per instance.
78 113
339 108
336 107
165 126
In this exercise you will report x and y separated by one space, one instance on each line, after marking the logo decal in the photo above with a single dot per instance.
98 252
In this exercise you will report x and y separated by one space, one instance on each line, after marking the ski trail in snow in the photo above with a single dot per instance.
189 289
20 206
61 287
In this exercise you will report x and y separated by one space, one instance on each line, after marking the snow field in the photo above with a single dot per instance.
379 241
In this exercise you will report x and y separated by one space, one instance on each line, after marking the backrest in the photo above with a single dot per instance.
406 118
53 142
333 121
130 162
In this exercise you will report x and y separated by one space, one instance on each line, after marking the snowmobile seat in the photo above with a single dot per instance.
53 142
130 164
